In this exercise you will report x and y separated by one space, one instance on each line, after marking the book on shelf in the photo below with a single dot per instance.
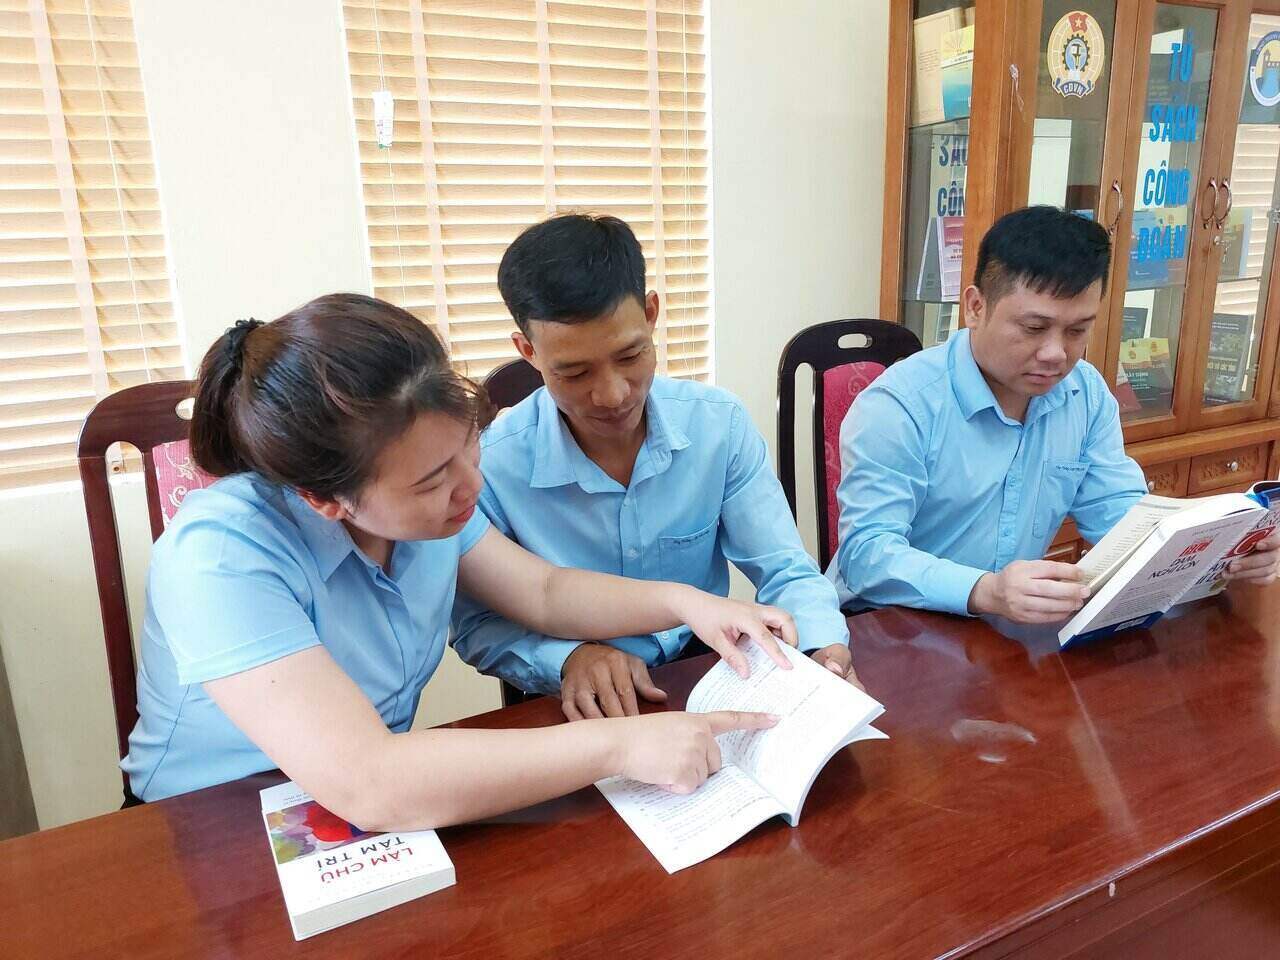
1235 244
950 255
1133 323
1166 551
1227 364
956 72
929 280
763 773
926 88
332 873
1124 393
940 263
1149 369
1147 265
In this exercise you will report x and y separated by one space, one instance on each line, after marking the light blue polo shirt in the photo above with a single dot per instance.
247 574
702 495
938 486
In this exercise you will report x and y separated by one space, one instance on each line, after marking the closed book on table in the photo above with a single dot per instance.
332 872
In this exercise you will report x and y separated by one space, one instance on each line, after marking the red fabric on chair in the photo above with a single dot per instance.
176 476
840 387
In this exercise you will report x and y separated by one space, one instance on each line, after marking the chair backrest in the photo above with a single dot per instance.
512 382
840 373
147 418
507 386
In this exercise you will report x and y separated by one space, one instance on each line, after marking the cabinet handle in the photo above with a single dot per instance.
1233 466
1211 185
1151 486
1226 185
1115 221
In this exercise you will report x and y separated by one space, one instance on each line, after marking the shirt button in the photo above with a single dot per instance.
633 553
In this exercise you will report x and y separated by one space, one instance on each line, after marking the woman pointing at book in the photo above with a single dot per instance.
297 608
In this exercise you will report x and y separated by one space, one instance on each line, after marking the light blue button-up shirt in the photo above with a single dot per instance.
938 486
703 492
247 574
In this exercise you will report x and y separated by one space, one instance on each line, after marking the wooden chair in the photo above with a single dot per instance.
512 382
507 386
840 373
147 418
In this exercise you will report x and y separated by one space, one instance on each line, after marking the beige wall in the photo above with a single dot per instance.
250 126
798 113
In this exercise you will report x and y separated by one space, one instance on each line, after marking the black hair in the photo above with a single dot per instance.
1046 249
571 268
311 399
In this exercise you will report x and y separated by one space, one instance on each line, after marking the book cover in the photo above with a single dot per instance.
1147 266
1235 244
1213 580
1178 551
1124 392
929 281
1133 323
951 255
332 872
956 54
1226 367
1149 370
926 90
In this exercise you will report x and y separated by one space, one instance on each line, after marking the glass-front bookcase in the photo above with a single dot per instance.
1160 120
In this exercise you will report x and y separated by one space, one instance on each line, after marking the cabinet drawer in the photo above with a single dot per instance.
1168 479
1230 468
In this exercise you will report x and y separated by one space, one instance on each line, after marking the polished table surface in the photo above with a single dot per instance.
1119 799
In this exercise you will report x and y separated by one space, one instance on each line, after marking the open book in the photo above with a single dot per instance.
764 773
332 873
1166 551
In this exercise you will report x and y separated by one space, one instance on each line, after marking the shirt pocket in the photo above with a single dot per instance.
687 558
1059 481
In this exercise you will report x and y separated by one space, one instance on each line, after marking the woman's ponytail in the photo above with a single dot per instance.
214 444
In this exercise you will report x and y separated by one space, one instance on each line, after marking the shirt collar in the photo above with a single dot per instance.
559 460
973 393
328 540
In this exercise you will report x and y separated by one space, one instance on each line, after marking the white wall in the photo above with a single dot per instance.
798 114
250 127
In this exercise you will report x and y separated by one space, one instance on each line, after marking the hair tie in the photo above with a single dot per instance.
236 336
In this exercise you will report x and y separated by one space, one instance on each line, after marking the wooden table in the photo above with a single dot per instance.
1119 800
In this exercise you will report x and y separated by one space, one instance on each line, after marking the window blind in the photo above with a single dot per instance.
85 305
507 111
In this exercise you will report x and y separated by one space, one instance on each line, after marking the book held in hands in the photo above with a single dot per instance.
763 773
332 873
1166 551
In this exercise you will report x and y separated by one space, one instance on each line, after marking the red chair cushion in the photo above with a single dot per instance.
840 386
176 476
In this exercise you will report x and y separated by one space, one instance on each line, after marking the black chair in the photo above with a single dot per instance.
840 372
507 386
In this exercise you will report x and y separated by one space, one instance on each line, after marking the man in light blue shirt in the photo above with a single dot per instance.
959 464
612 469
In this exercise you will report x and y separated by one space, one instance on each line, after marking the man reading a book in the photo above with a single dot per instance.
609 467
960 463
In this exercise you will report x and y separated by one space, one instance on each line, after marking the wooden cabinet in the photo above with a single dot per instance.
1160 120
1168 479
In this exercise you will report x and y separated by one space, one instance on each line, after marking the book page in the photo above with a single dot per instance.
683 830
1121 540
819 713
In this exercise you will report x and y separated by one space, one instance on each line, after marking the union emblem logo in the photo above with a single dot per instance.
1075 54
